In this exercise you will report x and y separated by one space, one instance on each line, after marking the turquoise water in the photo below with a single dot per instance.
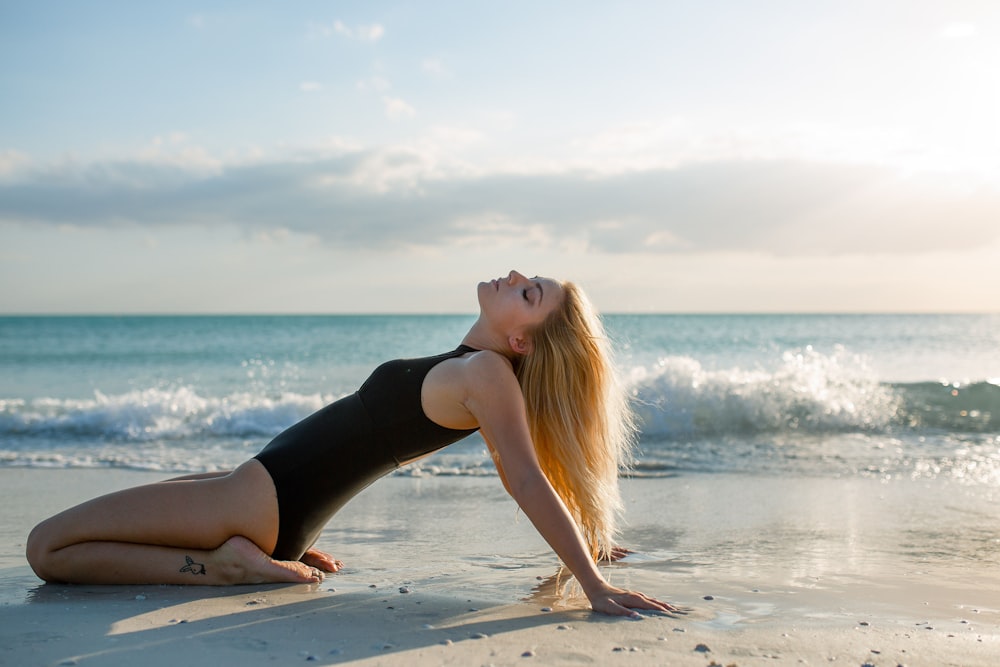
869 395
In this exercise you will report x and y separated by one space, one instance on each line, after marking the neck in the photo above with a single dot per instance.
482 337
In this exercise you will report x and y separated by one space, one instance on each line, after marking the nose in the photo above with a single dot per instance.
515 277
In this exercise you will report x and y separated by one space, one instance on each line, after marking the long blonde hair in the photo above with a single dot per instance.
579 416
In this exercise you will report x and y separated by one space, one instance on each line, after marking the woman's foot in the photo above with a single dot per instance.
321 560
242 562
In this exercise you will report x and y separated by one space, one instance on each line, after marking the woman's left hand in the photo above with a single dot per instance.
615 554
620 602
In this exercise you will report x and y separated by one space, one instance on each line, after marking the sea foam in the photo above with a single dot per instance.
156 414
809 391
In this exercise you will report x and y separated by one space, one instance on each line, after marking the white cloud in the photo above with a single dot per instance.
374 84
435 68
12 162
663 240
371 33
396 108
959 31
360 198
310 86
363 33
342 29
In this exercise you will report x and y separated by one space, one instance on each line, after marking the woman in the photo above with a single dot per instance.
532 375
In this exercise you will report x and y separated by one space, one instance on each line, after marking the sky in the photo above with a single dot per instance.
385 156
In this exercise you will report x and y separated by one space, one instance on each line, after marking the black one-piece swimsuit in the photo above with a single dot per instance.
323 461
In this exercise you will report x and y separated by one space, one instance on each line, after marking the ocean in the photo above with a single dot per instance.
827 396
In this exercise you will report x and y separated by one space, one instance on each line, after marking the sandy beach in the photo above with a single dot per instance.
443 571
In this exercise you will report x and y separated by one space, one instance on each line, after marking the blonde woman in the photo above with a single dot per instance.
532 376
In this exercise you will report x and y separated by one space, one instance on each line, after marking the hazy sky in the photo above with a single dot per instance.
385 156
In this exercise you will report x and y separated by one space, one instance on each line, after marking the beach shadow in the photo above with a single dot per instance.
261 624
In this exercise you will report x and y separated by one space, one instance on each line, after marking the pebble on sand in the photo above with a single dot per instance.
702 648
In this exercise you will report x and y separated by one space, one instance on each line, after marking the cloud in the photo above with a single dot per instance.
434 67
396 108
376 84
959 31
386 198
12 161
310 86
362 33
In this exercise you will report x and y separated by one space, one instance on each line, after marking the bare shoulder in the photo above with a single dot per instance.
494 398
488 371
489 362
480 381
473 369
463 392
491 387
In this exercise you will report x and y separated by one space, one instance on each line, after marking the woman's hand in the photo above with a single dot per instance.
620 602
615 554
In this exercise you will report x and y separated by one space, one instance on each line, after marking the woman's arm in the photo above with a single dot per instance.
494 398
615 553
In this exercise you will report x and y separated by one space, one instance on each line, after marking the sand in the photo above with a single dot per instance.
443 571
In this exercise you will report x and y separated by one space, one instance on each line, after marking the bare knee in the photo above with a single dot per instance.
39 549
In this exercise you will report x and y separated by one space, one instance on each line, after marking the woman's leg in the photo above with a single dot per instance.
313 557
213 530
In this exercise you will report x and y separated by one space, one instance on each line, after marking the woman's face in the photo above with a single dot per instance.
517 304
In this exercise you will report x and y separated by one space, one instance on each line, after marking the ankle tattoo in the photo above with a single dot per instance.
193 567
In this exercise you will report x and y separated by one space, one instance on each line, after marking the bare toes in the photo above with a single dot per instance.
321 560
249 565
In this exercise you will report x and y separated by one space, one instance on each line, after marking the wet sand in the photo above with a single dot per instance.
444 571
